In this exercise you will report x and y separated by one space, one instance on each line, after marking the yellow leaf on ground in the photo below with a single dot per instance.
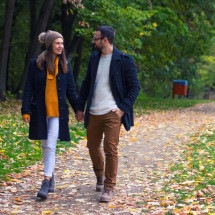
18 199
47 212
133 139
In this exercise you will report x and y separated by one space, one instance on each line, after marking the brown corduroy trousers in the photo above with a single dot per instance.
105 159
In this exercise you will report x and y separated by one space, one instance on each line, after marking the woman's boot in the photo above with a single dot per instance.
43 192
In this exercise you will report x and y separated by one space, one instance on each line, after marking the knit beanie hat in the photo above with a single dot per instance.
48 37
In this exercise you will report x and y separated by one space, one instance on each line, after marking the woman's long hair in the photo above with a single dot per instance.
47 56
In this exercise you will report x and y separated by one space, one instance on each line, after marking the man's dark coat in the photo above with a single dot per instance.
123 81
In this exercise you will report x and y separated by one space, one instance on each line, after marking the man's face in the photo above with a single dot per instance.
98 41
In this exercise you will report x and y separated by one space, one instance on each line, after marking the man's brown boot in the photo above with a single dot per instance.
106 196
100 183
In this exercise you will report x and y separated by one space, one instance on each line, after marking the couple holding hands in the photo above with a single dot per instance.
105 101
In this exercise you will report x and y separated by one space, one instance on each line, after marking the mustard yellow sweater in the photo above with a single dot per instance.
51 96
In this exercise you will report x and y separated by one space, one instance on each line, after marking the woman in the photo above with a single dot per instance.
49 82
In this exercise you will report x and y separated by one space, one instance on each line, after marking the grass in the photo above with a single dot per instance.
144 104
192 182
16 150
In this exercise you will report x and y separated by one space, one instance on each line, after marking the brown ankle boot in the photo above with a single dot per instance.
100 183
106 196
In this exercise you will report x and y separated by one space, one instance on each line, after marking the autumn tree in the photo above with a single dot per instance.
166 38
34 46
5 46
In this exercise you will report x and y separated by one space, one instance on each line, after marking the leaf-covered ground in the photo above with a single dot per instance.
16 150
147 181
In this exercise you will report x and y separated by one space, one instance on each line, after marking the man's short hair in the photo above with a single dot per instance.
108 32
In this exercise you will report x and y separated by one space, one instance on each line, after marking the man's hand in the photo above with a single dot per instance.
79 116
119 112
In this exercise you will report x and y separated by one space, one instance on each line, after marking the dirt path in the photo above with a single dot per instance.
145 156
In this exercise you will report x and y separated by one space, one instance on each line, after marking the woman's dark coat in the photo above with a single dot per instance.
33 102
123 81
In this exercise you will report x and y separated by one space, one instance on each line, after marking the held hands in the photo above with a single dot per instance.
79 116
119 112
26 118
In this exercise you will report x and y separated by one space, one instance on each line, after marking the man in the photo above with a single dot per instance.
110 88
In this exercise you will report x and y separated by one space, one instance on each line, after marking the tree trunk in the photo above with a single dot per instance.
67 23
77 63
34 48
150 4
5 46
72 45
33 17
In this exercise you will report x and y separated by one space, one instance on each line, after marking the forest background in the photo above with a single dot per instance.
169 39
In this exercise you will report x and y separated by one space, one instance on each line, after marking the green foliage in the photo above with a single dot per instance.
206 68
129 20
132 19
168 39
144 103
184 33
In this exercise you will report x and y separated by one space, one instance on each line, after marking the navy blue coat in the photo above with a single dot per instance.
123 81
33 102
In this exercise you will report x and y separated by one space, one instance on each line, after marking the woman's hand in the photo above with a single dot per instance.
79 116
26 118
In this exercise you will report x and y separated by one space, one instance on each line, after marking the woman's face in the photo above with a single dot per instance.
57 46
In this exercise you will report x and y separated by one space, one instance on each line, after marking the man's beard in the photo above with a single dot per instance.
96 48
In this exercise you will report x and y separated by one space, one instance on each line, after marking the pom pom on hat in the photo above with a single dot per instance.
48 37
41 37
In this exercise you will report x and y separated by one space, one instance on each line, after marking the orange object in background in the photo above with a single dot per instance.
180 87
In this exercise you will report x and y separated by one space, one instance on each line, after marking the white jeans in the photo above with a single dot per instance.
49 145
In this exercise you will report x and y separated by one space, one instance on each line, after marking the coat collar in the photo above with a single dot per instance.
115 55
